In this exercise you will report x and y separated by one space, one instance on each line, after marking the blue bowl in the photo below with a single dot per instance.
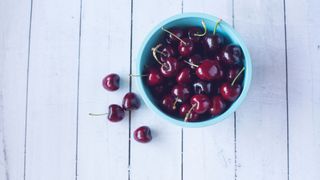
181 20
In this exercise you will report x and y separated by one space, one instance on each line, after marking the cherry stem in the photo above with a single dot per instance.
160 52
138 75
191 64
175 103
234 80
154 50
94 114
204 28
189 112
173 35
216 26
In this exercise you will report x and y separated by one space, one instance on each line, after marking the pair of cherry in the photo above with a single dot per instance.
130 102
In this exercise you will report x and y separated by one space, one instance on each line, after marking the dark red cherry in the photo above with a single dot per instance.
185 47
158 90
232 73
184 76
154 77
195 60
232 55
111 82
200 102
168 103
170 39
202 87
229 92
208 70
191 34
181 92
184 109
167 51
212 43
115 113
218 105
170 67
130 102
142 134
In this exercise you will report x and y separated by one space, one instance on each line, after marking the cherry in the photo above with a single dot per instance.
185 47
202 87
192 34
142 134
194 60
167 51
231 55
200 103
181 92
170 67
184 109
212 43
168 103
208 70
218 105
230 92
130 102
232 73
111 82
173 33
184 76
158 90
116 113
154 77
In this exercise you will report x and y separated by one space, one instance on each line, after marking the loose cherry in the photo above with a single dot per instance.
115 113
232 55
184 76
111 82
218 105
184 109
202 87
142 134
208 70
130 102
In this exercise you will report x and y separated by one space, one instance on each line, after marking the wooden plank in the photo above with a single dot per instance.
161 158
52 106
14 36
105 48
209 152
261 120
303 42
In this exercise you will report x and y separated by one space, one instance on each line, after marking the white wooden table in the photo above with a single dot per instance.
54 53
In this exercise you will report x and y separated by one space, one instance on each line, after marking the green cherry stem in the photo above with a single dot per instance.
102 114
189 112
138 75
154 50
204 28
191 64
173 35
234 80
216 26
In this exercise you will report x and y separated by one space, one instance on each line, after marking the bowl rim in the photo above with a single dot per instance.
235 105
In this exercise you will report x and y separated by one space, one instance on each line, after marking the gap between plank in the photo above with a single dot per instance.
287 92
130 89
27 93
78 92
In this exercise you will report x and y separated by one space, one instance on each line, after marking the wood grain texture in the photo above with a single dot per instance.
14 38
161 158
261 120
52 105
209 152
105 48
303 44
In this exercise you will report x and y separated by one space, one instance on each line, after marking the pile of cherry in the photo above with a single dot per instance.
130 102
194 74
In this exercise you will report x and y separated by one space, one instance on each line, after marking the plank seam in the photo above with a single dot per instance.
27 93
130 89
287 96
78 92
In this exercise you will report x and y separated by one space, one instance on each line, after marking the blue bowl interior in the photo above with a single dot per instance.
187 20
